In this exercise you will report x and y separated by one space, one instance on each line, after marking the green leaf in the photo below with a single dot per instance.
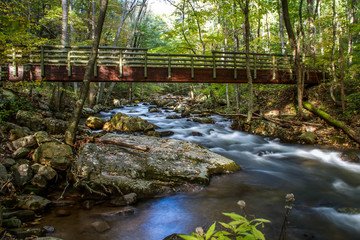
260 220
186 237
210 231
225 225
235 216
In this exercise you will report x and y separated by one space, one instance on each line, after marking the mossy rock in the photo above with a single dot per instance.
349 210
95 123
307 138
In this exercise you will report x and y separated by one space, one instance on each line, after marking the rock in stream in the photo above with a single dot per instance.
168 165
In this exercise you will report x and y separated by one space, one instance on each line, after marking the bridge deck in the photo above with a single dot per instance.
56 63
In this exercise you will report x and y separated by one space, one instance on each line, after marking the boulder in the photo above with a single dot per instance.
203 120
264 128
196 134
47 172
32 120
22 233
55 126
15 134
22 174
7 162
127 199
56 154
11 223
3 173
32 202
166 133
87 112
39 181
23 215
42 137
123 123
116 103
154 110
350 156
28 141
307 138
95 123
169 165
21 152
100 226
98 108
174 116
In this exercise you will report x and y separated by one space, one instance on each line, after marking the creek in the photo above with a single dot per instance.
319 179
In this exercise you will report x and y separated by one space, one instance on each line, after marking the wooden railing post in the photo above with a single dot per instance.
214 66
15 72
69 63
192 67
145 67
169 66
255 66
42 68
274 68
121 69
95 65
235 67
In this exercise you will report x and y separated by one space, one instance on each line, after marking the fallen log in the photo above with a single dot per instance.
117 143
336 123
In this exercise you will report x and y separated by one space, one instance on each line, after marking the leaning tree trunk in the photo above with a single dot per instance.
70 134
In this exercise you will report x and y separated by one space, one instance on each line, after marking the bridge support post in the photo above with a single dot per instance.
15 72
145 65
235 67
121 69
274 68
255 69
169 67
192 67
42 70
69 63
214 66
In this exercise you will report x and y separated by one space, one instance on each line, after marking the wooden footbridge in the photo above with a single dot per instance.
67 64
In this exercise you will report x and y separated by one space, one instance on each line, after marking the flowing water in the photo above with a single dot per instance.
319 179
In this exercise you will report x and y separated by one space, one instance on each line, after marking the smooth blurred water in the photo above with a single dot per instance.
319 179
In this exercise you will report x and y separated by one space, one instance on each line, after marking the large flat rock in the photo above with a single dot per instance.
168 165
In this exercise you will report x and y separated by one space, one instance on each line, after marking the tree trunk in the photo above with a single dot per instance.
296 53
65 23
333 65
127 10
70 134
341 58
244 4
281 28
137 20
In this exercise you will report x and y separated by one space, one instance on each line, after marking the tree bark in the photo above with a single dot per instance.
244 4
65 23
296 53
333 65
70 133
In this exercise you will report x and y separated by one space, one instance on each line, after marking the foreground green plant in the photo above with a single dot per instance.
239 228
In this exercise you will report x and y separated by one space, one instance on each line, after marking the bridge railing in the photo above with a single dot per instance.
140 57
